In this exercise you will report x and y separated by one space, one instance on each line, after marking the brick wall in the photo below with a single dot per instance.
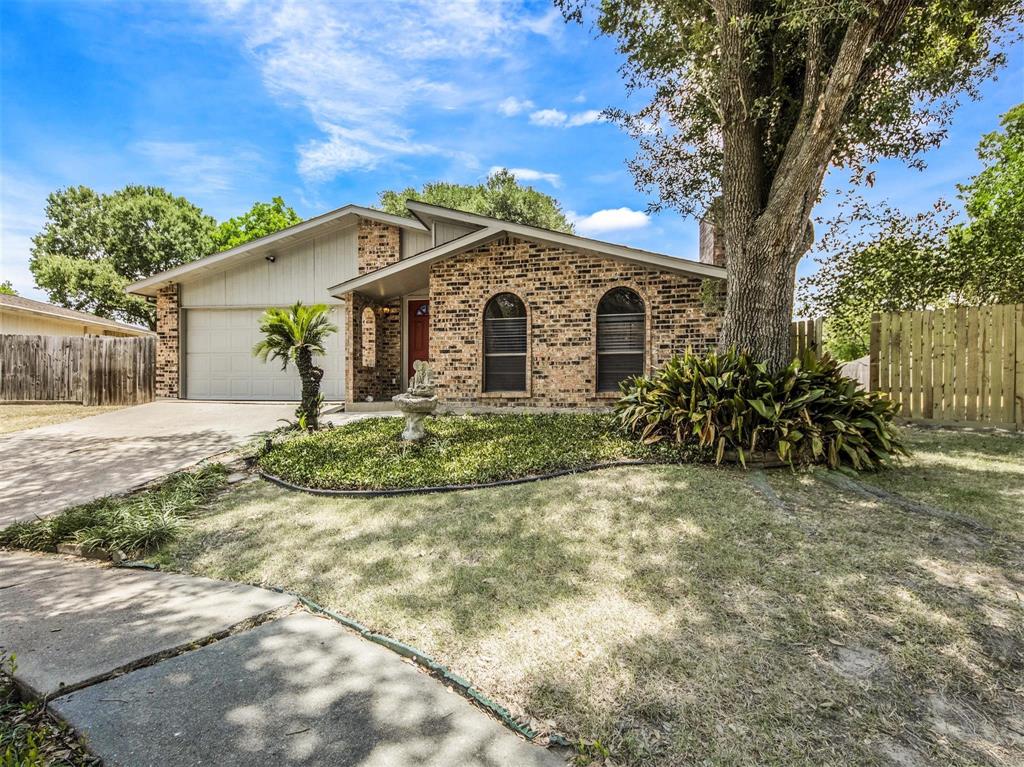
167 341
561 289
380 380
378 245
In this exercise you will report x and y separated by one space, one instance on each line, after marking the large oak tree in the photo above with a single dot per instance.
754 100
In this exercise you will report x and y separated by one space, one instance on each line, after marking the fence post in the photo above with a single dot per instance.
874 346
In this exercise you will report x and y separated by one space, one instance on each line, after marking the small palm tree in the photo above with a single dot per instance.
297 333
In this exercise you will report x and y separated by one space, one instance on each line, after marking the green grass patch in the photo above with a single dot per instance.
685 614
458 450
131 524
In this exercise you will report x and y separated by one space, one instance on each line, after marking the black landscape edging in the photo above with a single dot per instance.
455 488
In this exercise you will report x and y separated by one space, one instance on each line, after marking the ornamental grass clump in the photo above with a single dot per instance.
131 524
729 405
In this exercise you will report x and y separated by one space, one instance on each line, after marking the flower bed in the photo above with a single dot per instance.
458 450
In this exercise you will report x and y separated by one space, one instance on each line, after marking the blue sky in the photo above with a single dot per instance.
327 103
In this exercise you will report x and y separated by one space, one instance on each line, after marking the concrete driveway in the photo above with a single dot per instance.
47 469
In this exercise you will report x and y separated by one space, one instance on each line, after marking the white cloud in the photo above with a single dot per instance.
368 78
610 220
22 214
548 117
512 106
529 174
585 118
196 168
579 98
556 118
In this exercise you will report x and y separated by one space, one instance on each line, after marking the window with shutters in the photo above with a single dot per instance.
505 344
620 338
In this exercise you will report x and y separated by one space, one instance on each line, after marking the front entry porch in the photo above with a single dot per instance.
384 338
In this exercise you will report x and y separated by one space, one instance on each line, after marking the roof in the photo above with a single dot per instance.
338 218
412 272
27 305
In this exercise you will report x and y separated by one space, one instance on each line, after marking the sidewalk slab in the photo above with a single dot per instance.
301 690
70 621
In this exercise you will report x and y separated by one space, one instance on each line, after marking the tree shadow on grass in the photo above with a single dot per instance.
673 613
860 635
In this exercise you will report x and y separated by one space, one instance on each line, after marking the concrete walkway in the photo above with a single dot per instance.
47 469
154 668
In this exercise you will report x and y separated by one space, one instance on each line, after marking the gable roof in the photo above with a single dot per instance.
264 246
412 271
41 308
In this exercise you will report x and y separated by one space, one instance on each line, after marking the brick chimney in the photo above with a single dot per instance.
712 244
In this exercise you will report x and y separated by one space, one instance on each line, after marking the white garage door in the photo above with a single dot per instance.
219 363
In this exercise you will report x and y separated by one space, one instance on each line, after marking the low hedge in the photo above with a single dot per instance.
458 450
727 403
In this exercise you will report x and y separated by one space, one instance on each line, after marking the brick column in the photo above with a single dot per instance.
167 341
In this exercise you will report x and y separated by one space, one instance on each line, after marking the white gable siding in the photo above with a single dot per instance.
445 231
414 242
302 272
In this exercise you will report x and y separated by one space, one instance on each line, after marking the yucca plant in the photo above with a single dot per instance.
294 335
726 403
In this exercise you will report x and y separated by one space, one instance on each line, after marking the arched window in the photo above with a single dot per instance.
505 344
620 338
369 323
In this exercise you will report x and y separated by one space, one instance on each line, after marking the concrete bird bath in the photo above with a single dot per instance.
418 402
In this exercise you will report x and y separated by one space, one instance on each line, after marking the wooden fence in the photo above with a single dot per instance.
804 334
952 365
93 370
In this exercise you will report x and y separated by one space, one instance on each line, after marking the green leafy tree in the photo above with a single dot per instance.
7 289
756 100
261 219
93 246
876 259
501 196
295 335
991 244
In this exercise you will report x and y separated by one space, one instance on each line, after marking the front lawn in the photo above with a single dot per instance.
458 450
20 417
686 613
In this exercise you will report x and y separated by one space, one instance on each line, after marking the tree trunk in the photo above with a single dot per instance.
759 301
310 375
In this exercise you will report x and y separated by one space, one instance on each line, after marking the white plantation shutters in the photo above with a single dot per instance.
620 338
505 344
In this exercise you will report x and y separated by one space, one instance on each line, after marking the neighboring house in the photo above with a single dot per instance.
23 316
506 314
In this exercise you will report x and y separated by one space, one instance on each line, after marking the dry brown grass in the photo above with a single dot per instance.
678 615
20 417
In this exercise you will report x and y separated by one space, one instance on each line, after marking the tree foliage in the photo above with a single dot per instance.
755 100
501 196
991 243
93 245
876 259
7 289
261 219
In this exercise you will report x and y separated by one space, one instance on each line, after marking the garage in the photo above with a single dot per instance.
219 364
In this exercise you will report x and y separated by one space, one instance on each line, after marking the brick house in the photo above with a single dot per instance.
507 314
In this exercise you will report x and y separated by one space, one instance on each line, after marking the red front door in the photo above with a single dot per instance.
419 332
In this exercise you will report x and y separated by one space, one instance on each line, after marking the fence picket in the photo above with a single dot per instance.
962 364
86 369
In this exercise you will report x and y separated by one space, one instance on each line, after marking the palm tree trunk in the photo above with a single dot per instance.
310 375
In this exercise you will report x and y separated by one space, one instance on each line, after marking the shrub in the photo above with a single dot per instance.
807 413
